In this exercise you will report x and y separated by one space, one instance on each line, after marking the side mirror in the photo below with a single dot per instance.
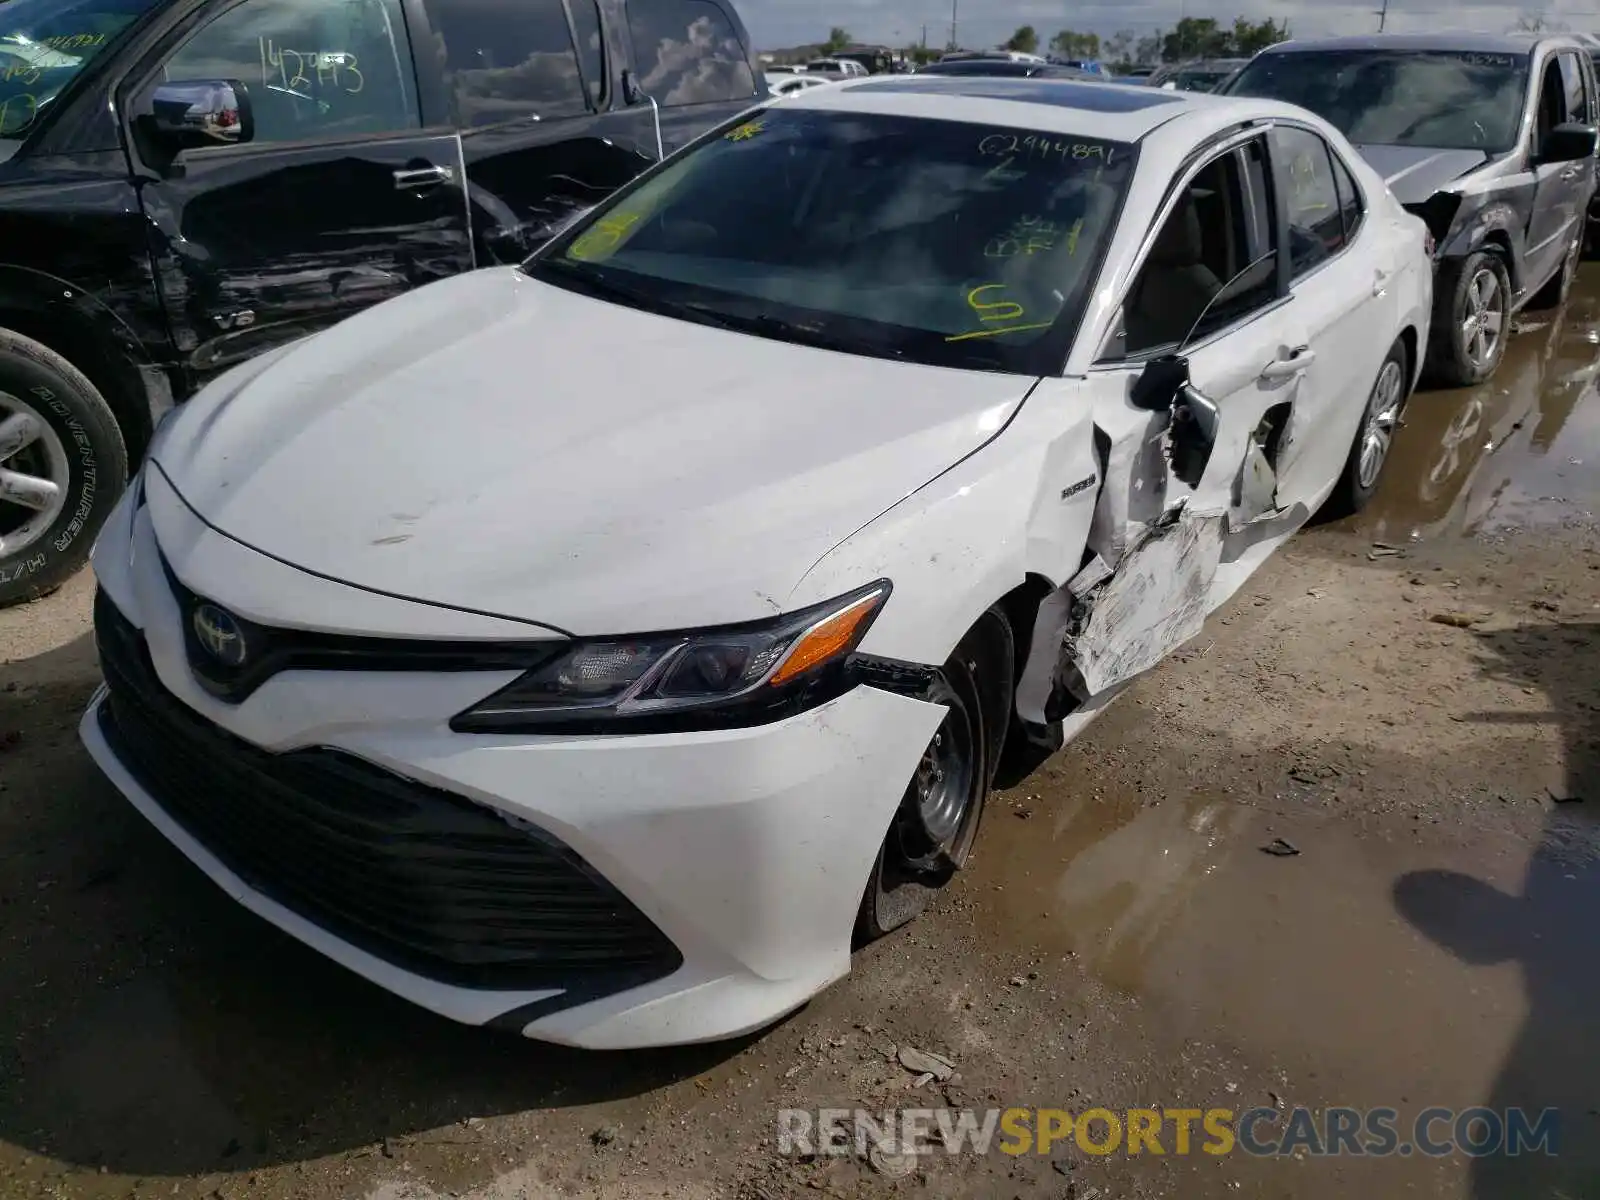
633 93
196 113
1569 143
1160 382
1163 386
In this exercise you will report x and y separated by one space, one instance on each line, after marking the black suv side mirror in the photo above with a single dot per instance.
1569 143
201 112
633 93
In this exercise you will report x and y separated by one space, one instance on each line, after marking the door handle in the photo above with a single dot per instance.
1293 363
409 178
1570 174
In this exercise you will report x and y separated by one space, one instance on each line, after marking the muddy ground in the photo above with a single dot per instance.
1121 939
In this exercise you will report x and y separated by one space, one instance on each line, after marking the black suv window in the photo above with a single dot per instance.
312 69
1444 99
591 47
508 60
686 52
1311 197
1214 249
44 43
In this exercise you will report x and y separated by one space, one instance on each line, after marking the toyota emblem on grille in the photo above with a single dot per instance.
219 635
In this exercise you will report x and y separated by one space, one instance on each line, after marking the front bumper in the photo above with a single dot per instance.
695 886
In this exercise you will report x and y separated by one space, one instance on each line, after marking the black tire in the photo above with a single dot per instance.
914 861
1449 359
81 445
1379 420
1559 286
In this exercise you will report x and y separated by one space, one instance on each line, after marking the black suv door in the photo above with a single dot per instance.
332 196
548 127
692 58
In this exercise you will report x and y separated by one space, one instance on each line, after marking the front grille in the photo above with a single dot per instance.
414 875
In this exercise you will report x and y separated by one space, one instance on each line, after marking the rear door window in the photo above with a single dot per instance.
508 60
686 52
1305 172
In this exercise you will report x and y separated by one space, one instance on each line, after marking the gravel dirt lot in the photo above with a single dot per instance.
1410 700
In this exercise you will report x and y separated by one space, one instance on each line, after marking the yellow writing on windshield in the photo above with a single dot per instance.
601 240
1033 235
24 73
75 41
745 132
287 68
997 311
17 112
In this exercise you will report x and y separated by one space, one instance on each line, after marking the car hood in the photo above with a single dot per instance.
494 443
1414 173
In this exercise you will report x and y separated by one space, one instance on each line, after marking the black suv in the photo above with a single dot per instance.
1490 140
186 183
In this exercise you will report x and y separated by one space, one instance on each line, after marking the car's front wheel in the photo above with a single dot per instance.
1472 320
931 835
62 466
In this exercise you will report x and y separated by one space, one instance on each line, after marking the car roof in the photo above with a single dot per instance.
1488 43
1119 114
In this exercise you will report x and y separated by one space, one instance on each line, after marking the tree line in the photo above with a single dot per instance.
1192 37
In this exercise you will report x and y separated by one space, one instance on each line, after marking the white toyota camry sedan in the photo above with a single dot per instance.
600 648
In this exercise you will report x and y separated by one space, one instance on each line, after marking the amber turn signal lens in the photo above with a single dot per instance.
826 639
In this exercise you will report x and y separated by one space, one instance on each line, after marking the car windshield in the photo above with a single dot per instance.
1449 100
1201 80
931 241
45 43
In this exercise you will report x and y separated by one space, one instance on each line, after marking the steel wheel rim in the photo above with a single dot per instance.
943 782
1383 414
34 475
1484 323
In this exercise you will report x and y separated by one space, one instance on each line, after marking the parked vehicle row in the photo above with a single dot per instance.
931 413
1490 140
184 185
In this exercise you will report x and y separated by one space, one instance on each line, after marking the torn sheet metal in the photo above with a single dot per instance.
1256 493
1155 601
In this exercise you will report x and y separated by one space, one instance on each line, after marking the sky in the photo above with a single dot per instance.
776 23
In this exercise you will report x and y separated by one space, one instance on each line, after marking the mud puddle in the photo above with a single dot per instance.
1519 451
1360 967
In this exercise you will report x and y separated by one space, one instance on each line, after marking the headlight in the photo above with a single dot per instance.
706 679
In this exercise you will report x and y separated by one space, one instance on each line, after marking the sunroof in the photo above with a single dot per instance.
1062 93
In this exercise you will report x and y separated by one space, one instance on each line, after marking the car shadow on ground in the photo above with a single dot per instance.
1551 928
151 1026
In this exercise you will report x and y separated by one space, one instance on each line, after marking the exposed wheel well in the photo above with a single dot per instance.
112 372
1500 243
1021 607
1408 339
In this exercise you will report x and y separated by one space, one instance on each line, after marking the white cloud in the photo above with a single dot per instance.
987 22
